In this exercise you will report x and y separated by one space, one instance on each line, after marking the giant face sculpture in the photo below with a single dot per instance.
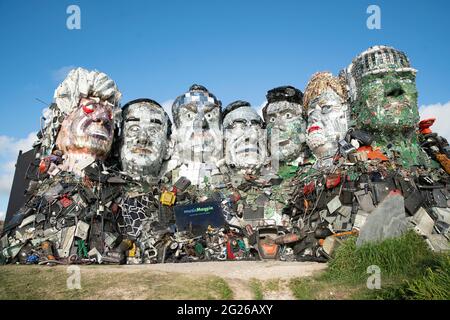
197 118
89 129
382 85
286 126
325 99
145 132
81 121
244 135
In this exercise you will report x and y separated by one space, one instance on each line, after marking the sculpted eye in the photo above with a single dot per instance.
272 119
288 115
134 130
239 121
88 108
326 108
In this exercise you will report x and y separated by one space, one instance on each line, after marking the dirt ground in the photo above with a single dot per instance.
243 270
203 280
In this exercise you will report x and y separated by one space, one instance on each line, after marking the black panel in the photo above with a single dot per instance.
17 197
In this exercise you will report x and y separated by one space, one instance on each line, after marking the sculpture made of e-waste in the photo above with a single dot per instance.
383 179
326 103
198 136
349 158
69 208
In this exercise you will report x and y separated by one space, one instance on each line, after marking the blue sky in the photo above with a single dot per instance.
237 49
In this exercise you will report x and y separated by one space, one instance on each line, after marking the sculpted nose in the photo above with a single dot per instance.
205 124
143 137
101 115
198 124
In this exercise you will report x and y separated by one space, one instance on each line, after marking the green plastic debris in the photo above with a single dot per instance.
199 248
287 171
242 245
82 250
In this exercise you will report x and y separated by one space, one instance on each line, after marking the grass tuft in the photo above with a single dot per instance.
221 287
257 289
409 270
303 289
434 284
403 256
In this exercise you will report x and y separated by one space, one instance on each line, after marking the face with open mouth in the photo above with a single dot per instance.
88 129
144 138
199 135
388 102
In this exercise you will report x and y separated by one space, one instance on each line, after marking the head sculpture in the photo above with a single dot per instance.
144 144
81 121
286 125
326 101
383 93
198 123
383 90
244 136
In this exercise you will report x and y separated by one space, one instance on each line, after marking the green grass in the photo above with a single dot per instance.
272 285
319 288
256 287
409 270
434 284
304 289
403 256
40 282
221 287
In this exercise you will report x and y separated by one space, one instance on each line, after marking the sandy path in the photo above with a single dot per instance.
243 270
237 273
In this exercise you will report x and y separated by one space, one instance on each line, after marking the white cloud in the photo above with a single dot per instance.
10 147
2 215
6 182
442 114
61 73
167 106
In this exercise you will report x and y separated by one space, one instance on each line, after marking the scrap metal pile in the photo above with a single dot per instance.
121 185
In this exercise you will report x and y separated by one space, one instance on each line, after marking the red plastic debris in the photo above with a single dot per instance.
373 154
424 125
309 188
65 201
43 166
333 181
230 254
88 109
